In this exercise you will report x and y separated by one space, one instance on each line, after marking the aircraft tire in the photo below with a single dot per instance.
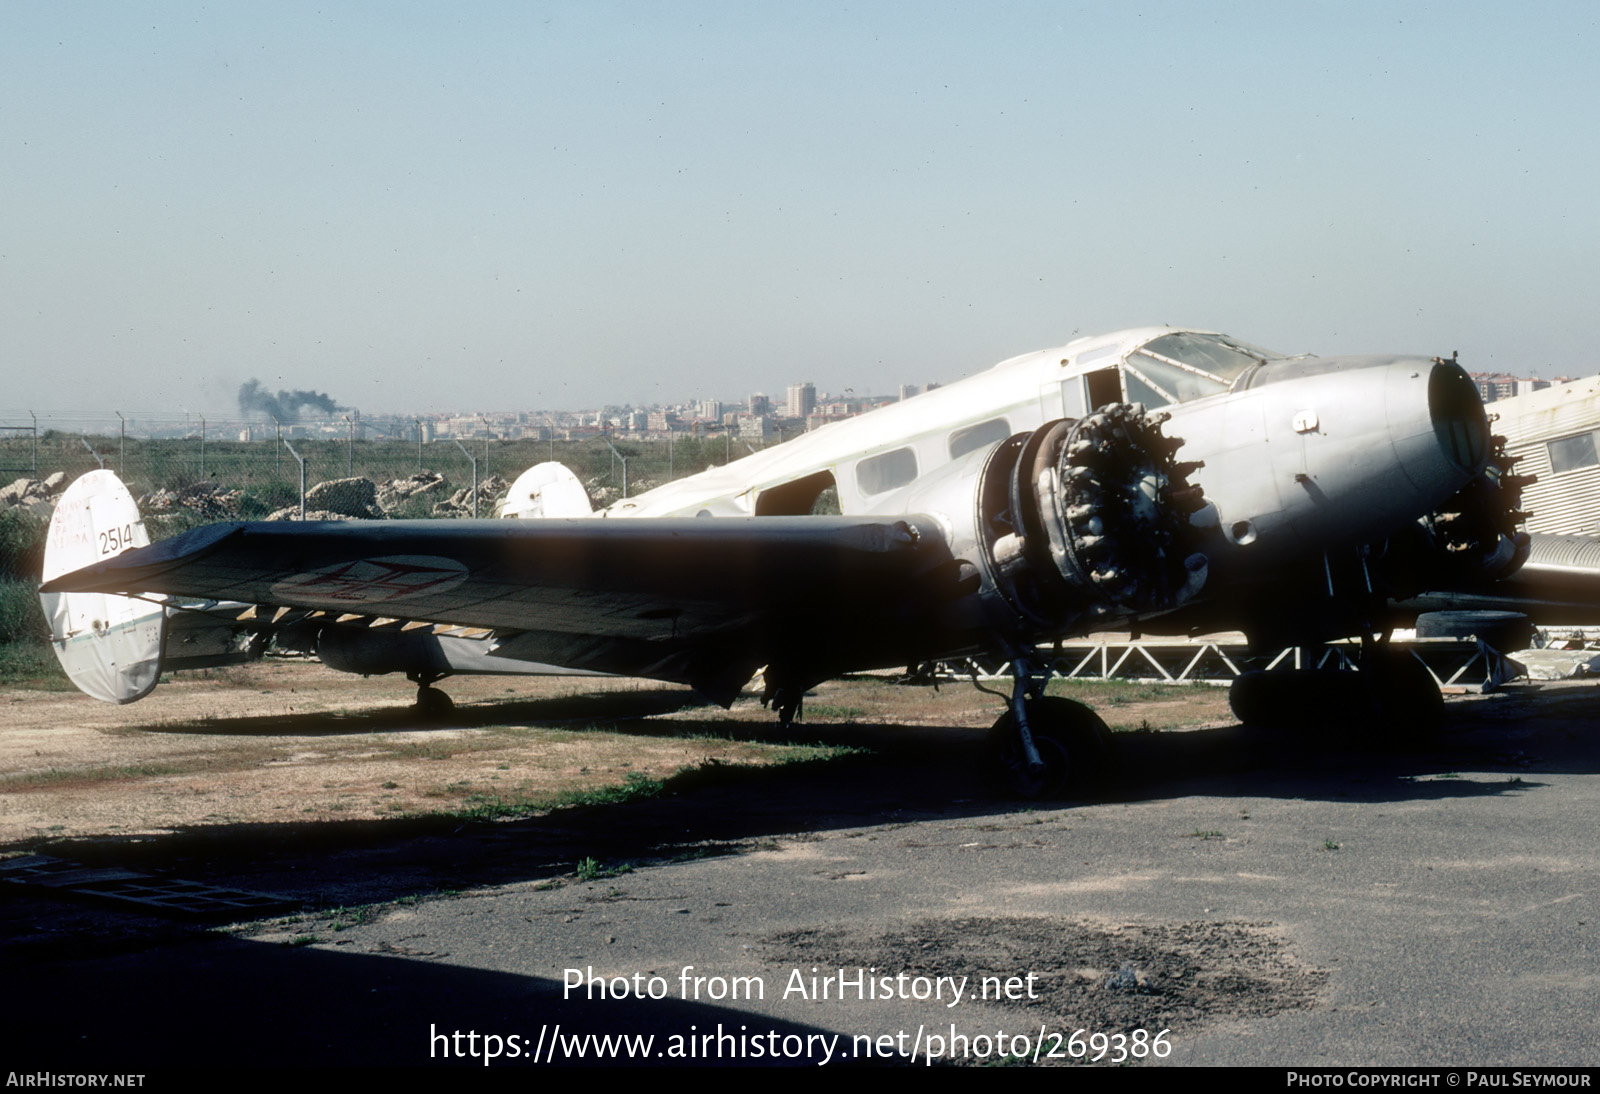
1292 698
1410 706
1073 742
1252 697
433 703
1393 700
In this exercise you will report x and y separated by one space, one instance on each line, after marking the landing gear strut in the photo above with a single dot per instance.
1048 747
431 702
786 703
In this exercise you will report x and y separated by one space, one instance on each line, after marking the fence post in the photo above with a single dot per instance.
302 461
615 456
474 460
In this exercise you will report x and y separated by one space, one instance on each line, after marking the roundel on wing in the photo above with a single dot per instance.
372 581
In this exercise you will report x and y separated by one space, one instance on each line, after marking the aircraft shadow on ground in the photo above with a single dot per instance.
892 774
608 706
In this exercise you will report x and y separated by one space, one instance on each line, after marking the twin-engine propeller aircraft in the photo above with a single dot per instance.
1042 499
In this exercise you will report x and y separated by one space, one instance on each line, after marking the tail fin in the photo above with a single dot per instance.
109 645
546 490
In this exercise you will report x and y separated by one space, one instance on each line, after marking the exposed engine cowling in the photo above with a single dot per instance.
1474 534
1086 519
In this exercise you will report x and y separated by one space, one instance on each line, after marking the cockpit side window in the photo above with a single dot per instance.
1207 354
1175 383
1143 391
1176 368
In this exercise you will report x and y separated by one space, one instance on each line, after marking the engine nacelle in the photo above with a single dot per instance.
1080 522
1307 456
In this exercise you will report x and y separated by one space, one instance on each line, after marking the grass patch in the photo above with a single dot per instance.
57 776
343 918
835 712
489 807
21 616
1147 708
31 664
636 785
590 869
1126 706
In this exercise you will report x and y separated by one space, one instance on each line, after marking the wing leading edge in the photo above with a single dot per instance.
699 601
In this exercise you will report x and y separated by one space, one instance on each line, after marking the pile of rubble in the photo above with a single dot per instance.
611 491
204 499
395 493
337 499
34 495
363 499
491 491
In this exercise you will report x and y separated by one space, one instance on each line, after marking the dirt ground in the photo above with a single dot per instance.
286 741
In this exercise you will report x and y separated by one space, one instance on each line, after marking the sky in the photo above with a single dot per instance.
496 206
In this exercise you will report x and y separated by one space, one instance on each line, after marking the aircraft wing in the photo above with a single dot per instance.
699 601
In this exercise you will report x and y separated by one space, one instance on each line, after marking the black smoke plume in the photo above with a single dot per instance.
286 406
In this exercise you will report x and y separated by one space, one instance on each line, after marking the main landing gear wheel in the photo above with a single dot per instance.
1393 699
1282 698
1071 740
431 702
1404 695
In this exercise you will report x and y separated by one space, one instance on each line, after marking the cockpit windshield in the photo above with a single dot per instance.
1176 368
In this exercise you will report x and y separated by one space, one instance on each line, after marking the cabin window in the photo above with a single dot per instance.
978 436
882 473
1571 453
799 498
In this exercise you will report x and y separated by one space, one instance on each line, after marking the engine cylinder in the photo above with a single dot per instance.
1088 518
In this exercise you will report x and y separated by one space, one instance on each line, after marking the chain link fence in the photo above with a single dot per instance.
220 470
